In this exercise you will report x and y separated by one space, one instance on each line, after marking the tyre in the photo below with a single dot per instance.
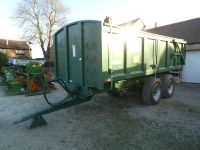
168 85
152 91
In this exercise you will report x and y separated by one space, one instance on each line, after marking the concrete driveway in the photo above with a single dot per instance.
105 122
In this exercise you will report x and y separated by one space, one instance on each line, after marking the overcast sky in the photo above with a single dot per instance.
150 11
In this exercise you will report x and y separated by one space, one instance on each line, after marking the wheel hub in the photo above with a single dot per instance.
170 87
156 92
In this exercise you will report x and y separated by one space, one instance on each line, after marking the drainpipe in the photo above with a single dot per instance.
156 25
30 54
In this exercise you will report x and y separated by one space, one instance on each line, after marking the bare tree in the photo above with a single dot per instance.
39 19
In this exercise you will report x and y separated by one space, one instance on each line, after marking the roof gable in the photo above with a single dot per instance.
129 22
188 30
12 44
138 23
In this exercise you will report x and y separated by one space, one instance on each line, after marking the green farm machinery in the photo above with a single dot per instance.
29 79
93 57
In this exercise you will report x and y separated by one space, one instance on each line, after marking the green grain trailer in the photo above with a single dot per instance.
95 57
91 57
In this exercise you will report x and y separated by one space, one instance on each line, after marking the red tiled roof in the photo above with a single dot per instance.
12 44
188 30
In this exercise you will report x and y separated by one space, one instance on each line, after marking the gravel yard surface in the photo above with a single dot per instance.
105 122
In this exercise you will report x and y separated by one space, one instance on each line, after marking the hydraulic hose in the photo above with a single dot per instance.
70 93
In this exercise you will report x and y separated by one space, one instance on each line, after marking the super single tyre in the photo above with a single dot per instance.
152 91
168 85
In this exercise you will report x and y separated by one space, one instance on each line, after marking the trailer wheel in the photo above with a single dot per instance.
168 85
152 91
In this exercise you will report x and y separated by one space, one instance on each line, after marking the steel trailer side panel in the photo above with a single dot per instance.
135 53
92 54
149 55
162 55
74 51
60 54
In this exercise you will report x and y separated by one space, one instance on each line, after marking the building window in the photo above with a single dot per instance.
20 52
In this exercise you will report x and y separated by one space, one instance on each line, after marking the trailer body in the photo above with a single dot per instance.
91 54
